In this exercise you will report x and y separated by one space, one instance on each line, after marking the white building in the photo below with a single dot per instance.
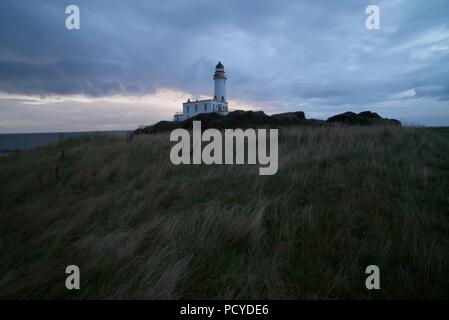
217 104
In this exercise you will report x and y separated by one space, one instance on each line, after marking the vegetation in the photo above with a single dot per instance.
139 227
253 119
442 132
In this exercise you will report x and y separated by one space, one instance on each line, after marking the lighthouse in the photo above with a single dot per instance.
220 82
218 104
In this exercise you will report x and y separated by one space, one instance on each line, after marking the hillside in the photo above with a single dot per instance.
258 119
343 198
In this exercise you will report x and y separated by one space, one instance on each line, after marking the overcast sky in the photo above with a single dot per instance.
134 62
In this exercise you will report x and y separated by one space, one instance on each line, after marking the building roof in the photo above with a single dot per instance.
219 66
202 101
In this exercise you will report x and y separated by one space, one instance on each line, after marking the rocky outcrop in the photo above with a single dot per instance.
258 119
236 119
290 117
366 118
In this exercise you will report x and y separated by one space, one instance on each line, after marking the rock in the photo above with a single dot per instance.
363 118
257 119
236 119
290 117
246 119
161 126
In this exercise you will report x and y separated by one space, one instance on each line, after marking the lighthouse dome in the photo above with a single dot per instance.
219 66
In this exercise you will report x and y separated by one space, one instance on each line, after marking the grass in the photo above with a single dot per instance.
139 227
442 132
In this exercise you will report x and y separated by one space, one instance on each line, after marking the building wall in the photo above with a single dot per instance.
194 108
220 88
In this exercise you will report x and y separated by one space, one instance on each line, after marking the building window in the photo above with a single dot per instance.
187 109
196 108
205 107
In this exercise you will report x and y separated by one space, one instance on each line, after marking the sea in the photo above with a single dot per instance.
16 142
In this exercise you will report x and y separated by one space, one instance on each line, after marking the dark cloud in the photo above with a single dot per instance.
280 51
439 92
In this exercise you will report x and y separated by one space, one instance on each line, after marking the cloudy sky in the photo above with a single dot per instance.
134 62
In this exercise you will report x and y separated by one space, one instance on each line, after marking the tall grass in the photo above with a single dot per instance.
139 227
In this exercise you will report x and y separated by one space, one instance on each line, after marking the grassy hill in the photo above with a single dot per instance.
139 227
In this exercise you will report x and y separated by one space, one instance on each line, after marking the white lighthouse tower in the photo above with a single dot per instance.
218 104
220 82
